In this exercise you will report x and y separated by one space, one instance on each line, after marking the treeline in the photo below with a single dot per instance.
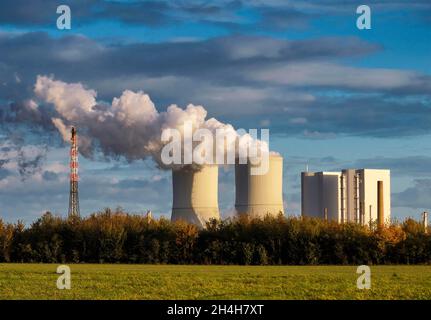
118 237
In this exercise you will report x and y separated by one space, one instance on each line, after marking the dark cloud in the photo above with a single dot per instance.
284 18
325 118
417 196
243 81
148 13
313 162
95 193
22 12
343 7
26 134
28 165
151 13
49 176
408 166
4 161
4 173
225 13
412 166
42 12
135 194
229 56
27 112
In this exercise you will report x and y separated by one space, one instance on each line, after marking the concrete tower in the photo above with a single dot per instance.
195 195
260 195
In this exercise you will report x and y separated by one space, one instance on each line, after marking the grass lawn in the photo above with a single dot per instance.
109 281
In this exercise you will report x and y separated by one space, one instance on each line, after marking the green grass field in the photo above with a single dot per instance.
38 281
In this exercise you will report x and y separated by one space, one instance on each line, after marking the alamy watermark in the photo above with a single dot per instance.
364 280
64 281
64 21
364 20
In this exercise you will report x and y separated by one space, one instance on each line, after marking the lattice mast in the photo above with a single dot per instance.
73 196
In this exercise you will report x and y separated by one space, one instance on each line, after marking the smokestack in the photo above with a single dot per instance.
425 221
259 195
195 195
380 216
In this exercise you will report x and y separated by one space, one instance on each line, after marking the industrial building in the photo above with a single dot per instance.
352 195
259 195
195 195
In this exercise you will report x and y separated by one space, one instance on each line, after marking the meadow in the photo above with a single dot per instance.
121 281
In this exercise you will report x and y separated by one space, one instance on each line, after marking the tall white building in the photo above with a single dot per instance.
352 195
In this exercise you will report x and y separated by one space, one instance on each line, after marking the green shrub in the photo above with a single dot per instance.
113 236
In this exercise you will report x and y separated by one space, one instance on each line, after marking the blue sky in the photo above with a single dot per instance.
332 96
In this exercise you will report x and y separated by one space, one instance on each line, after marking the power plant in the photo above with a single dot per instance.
195 194
353 195
259 195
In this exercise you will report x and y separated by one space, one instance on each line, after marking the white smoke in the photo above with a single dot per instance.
130 126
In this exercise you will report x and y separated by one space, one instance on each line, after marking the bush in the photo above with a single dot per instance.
262 257
118 237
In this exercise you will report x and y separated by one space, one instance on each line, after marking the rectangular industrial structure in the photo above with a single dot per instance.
352 195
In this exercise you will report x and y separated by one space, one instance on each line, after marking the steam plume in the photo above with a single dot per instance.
129 127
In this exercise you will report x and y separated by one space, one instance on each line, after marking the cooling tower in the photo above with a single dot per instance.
195 195
260 195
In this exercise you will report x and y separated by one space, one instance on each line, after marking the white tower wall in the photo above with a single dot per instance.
260 195
195 195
